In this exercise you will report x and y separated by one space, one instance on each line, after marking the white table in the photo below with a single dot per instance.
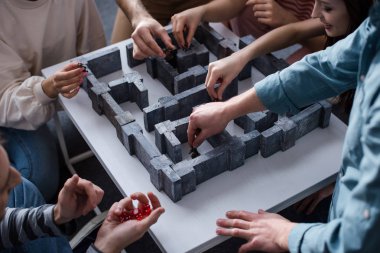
189 225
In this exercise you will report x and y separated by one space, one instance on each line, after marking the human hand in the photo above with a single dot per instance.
264 231
144 36
186 22
270 13
309 203
223 72
115 235
65 81
77 197
205 121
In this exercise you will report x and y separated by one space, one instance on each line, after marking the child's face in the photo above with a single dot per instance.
9 178
333 15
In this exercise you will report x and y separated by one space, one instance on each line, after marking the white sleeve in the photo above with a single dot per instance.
23 104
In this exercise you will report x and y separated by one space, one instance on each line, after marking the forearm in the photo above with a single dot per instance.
134 10
222 10
243 104
283 37
21 225
26 106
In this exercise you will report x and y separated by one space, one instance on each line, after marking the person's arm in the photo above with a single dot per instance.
146 29
214 11
27 101
77 197
317 76
226 69
21 225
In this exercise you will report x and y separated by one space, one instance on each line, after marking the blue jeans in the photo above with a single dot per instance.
34 155
27 195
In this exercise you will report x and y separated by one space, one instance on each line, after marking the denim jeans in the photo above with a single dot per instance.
27 195
34 155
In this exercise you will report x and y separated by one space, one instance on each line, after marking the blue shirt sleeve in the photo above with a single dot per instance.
316 77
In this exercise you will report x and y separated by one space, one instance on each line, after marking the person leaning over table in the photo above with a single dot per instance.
143 20
35 35
354 216
77 197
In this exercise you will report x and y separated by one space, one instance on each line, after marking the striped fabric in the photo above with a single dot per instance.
22 225
246 23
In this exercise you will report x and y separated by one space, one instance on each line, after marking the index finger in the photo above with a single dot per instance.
66 75
211 79
141 198
191 129
178 33
164 36
154 200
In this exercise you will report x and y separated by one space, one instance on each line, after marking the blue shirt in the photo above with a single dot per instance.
354 218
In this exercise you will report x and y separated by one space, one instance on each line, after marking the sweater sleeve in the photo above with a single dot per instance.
23 104
21 225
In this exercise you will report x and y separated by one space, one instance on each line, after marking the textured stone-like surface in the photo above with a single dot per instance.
104 62
132 62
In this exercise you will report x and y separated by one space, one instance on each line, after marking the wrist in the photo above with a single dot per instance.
283 239
48 88
137 19
202 11
104 247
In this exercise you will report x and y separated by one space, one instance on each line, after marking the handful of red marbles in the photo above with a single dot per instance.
136 213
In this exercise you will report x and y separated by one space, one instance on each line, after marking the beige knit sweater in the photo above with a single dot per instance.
35 35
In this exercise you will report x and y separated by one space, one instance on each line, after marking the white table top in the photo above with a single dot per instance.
189 225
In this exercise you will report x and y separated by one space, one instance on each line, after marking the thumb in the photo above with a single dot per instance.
153 217
71 183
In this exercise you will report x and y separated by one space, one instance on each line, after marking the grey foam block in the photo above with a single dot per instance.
289 132
151 66
225 48
159 130
119 90
132 62
252 143
210 164
219 139
187 174
128 132
181 126
95 93
172 184
192 77
270 141
206 35
153 114
325 114
173 147
104 62
110 108
166 74
145 151
269 64
236 153
155 170
123 119
259 121
231 90
307 120
140 94
196 54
